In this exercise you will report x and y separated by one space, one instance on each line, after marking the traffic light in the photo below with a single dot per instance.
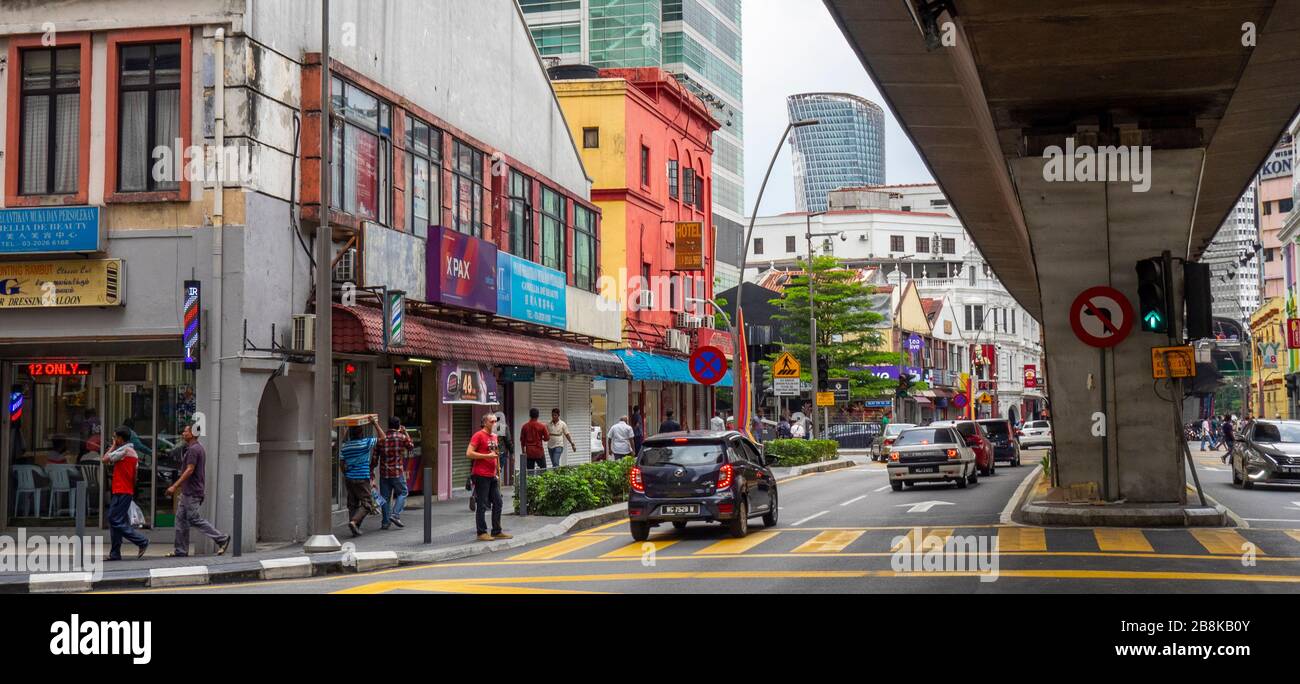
823 371
1154 313
1199 300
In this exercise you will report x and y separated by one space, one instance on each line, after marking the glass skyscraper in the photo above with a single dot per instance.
699 42
847 149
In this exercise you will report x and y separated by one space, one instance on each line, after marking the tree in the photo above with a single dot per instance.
848 331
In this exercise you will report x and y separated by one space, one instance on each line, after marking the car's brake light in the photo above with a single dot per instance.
893 456
953 454
724 476
679 440
638 485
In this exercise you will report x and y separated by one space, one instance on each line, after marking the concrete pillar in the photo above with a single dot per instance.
1085 234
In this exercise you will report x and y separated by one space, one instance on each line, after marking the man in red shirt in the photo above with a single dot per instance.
533 436
487 486
124 461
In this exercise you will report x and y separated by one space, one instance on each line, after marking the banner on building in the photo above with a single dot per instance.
1268 352
62 284
461 270
528 291
1031 376
690 246
470 384
1293 333
45 230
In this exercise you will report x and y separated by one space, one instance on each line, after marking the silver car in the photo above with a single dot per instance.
931 454
880 445
1036 433
1267 452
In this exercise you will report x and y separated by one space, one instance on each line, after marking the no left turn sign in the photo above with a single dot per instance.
1101 317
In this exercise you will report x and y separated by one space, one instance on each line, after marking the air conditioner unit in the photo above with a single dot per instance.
304 333
345 271
687 321
677 341
708 321
645 300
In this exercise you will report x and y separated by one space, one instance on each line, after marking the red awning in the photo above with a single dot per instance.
359 329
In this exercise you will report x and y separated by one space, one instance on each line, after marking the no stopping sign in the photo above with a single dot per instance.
1101 317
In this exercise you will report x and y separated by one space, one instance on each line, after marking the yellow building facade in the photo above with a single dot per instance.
1269 360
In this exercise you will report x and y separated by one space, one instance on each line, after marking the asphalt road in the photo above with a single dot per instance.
839 533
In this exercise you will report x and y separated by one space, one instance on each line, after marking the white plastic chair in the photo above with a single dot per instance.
25 476
61 485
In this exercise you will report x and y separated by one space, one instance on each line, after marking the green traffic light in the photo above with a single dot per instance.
1153 322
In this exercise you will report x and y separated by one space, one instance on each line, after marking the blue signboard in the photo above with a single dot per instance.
891 372
530 292
49 230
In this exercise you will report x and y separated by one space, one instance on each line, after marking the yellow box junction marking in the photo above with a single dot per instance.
635 550
560 548
1022 539
829 542
928 536
732 546
1224 542
1109 539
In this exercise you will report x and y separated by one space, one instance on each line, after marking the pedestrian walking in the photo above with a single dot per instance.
1229 437
717 424
505 445
357 459
191 485
395 446
797 430
669 425
559 432
533 437
783 430
483 450
622 440
597 444
124 461
1207 436
638 428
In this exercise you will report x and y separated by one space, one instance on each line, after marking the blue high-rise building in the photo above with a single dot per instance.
846 149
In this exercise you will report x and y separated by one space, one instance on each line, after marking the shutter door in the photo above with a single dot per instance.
577 413
546 396
462 428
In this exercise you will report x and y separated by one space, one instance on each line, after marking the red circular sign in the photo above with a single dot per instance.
1101 317
708 365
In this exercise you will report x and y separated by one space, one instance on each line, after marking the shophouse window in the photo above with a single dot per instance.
521 215
688 187
50 115
758 245
553 226
645 166
424 176
789 243
923 245
467 189
896 243
591 138
360 124
149 115
584 248
674 178
699 192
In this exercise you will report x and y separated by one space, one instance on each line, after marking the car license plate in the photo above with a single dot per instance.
692 509
1290 469
924 469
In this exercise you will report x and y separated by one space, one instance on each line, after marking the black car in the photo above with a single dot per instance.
1006 447
702 476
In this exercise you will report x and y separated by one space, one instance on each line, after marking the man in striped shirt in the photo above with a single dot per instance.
357 460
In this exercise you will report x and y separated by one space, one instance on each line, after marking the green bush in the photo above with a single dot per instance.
571 489
795 452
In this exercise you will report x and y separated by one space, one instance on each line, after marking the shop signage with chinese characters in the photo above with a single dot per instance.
62 284
45 230
530 292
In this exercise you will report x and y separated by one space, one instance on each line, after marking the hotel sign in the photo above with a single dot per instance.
62 284
690 246
46 230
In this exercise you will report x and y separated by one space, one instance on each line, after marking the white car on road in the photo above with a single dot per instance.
1036 433
931 454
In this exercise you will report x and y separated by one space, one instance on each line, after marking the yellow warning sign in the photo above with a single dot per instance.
1173 362
825 398
786 366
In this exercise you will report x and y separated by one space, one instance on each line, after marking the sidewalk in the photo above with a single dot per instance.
453 537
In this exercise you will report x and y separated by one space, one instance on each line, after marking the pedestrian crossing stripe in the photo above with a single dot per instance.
831 541
1022 539
639 549
919 542
552 551
734 546
1225 542
1118 540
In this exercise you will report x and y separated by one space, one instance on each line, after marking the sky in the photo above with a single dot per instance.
793 46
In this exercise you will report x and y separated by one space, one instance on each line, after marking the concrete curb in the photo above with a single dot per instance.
1023 492
822 467
573 523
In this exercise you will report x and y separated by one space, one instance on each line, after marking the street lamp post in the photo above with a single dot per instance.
749 232
812 313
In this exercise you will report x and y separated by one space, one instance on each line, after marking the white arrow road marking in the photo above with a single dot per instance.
923 506
883 488
814 515
1295 506
854 500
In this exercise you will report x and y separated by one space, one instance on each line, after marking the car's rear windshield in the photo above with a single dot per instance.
1037 424
1271 433
998 428
681 454
896 428
925 436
